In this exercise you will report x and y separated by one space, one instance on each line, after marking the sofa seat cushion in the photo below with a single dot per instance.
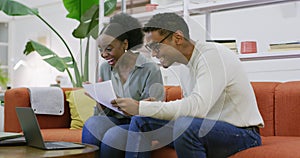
274 147
165 152
62 134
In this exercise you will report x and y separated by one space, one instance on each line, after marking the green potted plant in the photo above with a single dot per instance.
3 79
86 12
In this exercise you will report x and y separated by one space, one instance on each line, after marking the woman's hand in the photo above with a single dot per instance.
87 82
150 99
100 106
127 105
87 94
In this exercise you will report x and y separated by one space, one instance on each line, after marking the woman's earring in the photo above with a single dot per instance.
125 50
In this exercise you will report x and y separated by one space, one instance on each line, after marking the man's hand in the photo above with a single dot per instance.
127 105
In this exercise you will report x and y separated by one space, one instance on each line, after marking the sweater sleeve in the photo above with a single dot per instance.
210 83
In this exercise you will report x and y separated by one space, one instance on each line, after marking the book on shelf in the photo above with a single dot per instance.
288 45
283 49
230 43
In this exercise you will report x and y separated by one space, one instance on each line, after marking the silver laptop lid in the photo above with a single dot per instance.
30 127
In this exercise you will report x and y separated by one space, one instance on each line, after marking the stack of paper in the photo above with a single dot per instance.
103 93
11 138
9 135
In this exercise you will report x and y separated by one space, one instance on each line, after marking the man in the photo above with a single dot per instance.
218 115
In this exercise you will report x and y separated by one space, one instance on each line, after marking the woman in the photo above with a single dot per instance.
133 76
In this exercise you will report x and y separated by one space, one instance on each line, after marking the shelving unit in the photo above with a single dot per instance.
4 48
192 8
269 55
223 5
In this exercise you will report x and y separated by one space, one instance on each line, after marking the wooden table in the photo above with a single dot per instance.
90 151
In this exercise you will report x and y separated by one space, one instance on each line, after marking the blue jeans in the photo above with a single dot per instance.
108 133
193 137
144 130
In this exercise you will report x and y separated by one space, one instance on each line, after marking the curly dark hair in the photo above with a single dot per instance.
132 28
166 23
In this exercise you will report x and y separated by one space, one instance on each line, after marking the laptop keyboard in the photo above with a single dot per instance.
62 145
55 145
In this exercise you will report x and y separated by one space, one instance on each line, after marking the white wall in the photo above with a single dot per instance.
36 72
1 118
267 24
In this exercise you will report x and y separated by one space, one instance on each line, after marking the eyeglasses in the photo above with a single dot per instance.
155 46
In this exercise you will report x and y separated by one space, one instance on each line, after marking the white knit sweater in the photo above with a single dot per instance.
218 89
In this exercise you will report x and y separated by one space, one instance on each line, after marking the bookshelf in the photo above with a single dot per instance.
194 8
191 8
269 55
223 5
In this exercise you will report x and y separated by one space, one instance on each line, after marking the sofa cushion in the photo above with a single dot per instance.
19 97
81 107
62 134
273 147
165 152
265 96
172 93
287 111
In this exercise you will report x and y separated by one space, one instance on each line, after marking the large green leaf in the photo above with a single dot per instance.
109 6
89 24
61 64
77 8
14 8
89 21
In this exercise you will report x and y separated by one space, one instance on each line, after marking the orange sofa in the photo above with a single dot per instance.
279 104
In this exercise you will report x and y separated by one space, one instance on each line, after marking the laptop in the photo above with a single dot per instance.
32 132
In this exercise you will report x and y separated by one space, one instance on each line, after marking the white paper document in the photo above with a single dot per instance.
103 93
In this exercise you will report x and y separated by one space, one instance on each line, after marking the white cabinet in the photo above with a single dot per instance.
4 47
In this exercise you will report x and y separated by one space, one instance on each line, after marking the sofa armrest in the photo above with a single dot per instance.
19 97
13 98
